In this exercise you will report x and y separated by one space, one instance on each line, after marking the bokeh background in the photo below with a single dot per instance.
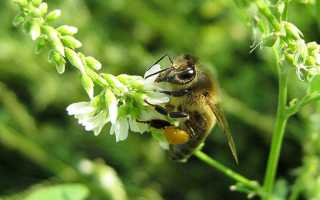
40 145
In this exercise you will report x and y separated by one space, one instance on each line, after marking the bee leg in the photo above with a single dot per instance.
159 109
157 123
178 114
164 111
177 93
191 130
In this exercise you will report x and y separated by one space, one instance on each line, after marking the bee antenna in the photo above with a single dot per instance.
158 72
161 58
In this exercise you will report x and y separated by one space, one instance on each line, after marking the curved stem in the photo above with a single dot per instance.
227 171
278 133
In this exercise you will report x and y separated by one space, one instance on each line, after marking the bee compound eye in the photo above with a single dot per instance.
175 135
186 74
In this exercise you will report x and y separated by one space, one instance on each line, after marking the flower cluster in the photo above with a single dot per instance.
122 104
288 39
120 100
304 56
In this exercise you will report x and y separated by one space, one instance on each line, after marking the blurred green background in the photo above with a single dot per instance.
40 145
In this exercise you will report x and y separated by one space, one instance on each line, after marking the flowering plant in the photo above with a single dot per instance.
120 100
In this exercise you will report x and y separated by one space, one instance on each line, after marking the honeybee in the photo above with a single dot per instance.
195 102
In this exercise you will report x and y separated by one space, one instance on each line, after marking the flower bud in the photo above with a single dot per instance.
71 42
74 59
313 48
56 58
292 30
310 61
40 44
43 8
36 3
93 63
53 15
35 30
290 58
88 85
18 20
114 82
67 30
53 37
36 12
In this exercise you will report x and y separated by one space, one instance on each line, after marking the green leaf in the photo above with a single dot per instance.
60 192
280 190
314 85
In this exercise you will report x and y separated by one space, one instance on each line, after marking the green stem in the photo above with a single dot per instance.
227 171
278 133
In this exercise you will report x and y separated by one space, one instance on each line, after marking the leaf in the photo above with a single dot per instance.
314 84
280 190
60 192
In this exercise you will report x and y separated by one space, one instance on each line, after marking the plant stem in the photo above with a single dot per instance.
227 171
278 133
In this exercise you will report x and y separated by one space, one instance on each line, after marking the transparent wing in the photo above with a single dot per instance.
223 124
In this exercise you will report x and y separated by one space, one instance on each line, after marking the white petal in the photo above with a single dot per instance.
146 115
101 123
112 106
83 118
137 126
96 122
121 129
80 108
157 98
153 69
112 129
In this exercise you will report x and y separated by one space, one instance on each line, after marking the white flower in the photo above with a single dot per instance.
89 116
137 126
120 128
112 105
154 97
157 98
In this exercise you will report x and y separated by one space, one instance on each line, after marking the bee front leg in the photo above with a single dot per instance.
177 93
164 111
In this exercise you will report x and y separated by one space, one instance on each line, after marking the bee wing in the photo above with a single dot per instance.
223 124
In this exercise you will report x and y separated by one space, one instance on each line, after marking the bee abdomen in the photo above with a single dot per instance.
198 127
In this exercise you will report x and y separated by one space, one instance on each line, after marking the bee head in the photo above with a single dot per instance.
183 71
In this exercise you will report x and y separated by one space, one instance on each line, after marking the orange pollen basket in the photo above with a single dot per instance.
175 135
